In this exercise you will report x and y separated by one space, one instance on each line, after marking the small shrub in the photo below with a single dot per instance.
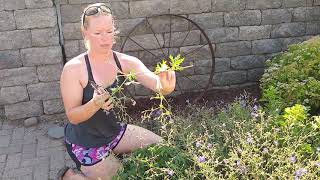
156 162
238 142
293 77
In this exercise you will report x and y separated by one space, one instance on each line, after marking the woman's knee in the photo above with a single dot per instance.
136 137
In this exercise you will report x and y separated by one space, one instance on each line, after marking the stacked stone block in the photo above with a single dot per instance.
30 59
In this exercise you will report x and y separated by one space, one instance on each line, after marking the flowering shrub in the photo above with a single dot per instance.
240 141
156 162
294 77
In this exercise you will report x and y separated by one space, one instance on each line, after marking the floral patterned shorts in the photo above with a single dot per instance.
90 156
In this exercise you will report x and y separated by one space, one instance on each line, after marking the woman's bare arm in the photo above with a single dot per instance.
72 92
164 82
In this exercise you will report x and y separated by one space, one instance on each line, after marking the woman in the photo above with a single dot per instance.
93 136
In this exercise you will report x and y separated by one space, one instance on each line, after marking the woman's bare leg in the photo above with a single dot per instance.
71 175
104 170
136 137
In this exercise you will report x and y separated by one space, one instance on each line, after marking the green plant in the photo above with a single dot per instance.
156 162
293 77
284 150
238 141
120 99
174 64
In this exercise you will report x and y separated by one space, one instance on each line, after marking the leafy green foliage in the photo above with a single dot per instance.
174 64
294 77
240 141
156 162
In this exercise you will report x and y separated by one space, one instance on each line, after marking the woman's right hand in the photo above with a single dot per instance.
101 98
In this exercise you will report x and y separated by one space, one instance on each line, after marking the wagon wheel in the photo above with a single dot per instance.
156 37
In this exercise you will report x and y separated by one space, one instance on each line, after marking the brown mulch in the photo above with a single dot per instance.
211 99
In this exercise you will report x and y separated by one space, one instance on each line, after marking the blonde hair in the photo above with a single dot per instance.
85 21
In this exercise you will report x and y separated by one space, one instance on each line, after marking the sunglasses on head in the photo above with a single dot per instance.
92 10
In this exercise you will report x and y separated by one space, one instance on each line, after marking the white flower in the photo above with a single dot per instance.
250 140
170 172
265 150
198 144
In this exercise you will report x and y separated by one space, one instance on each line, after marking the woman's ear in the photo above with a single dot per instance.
84 33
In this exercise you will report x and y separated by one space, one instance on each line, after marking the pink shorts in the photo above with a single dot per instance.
90 156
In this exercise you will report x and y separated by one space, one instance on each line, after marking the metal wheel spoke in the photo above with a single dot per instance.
145 49
191 52
186 37
191 80
179 87
154 34
169 38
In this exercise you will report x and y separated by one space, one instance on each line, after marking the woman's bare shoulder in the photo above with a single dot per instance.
75 69
127 61
125 57
74 64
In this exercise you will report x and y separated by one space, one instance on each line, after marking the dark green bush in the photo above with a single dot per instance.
293 77
239 141
156 162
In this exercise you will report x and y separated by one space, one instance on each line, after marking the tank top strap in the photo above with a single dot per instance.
88 67
117 60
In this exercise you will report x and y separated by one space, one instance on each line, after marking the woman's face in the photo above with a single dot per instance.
100 33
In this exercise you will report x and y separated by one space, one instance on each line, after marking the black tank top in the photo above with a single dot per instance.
101 128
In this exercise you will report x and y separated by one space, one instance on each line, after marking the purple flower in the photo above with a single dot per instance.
209 145
156 113
225 161
170 172
243 169
300 172
198 144
254 114
317 164
238 163
293 159
243 103
202 159
255 108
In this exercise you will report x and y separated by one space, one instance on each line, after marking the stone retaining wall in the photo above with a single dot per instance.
37 36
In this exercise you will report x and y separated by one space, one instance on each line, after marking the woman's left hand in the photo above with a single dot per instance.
168 81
